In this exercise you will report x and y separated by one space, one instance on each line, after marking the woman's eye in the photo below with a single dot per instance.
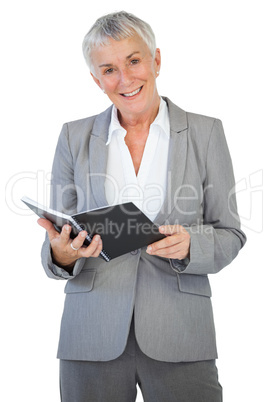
135 61
108 71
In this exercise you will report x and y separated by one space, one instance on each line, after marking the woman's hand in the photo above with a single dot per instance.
63 247
176 244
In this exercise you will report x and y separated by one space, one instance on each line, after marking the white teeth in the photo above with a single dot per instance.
133 93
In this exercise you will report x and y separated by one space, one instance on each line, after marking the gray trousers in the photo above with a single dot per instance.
116 380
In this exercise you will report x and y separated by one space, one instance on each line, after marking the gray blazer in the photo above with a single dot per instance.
170 298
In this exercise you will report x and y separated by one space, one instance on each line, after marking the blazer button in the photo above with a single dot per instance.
134 252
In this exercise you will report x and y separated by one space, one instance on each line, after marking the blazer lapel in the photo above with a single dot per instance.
176 160
98 154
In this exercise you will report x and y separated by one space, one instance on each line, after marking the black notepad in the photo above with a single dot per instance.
123 227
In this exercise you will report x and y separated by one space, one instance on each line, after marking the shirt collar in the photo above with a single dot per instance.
161 120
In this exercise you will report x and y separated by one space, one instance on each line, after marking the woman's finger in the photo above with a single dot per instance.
171 229
94 249
179 251
174 245
65 235
164 243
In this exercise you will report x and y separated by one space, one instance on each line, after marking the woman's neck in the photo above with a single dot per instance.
134 122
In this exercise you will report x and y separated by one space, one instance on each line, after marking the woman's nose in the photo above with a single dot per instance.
125 77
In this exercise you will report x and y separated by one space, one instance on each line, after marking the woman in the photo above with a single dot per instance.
144 317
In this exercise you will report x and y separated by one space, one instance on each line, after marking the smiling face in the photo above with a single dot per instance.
127 72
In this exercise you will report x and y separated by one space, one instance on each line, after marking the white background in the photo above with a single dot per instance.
214 62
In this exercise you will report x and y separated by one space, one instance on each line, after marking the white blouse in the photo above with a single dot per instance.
147 190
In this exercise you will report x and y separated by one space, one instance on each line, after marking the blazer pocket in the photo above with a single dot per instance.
81 283
194 284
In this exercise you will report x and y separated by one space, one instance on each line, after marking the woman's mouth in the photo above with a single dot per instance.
132 93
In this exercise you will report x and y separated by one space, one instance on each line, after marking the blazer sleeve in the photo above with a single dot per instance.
62 198
216 242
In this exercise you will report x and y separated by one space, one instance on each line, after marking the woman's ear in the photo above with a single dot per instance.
157 60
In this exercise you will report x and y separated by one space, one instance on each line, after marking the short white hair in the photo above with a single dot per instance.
118 26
